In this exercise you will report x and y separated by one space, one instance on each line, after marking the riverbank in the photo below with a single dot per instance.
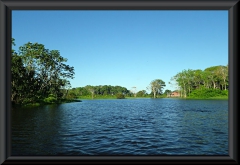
188 98
110 98
210 98
46 103
107 97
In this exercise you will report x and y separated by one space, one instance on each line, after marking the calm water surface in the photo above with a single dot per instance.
123 127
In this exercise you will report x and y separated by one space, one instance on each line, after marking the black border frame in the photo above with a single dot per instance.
6 6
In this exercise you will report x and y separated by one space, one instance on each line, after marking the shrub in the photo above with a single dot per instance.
50 99
120 96
207 93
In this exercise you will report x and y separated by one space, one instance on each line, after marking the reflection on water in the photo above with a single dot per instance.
123 127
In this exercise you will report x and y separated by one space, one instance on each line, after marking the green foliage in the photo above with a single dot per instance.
71 95
120 96
32 105
100 91
167 91
208 93
38 72
142 93
51 99
41 75
213 78
156 87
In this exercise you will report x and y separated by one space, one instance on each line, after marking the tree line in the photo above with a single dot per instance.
209 82
104 91
40 75
101 91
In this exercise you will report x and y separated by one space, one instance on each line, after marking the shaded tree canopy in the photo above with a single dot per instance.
38 72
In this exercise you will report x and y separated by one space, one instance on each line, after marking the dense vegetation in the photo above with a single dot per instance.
39 75
100 91
190 83
120 96
211 82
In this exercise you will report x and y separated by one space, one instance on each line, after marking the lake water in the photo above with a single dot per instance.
122 127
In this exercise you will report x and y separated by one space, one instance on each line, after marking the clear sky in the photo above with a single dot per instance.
128 48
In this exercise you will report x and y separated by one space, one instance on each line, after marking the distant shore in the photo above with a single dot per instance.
189 98
113 98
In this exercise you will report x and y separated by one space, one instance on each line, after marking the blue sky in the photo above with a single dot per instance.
127 48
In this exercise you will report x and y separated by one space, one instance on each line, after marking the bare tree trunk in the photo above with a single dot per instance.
214 85
92 94
185 92
225 84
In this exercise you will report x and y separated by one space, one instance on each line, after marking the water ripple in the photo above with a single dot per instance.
123 127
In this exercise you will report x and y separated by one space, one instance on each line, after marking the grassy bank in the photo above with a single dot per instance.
188 98
206 98
97 97
137 97
219 98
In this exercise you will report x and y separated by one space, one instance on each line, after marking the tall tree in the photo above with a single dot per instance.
156 87
42 72
214 77
49 67
197 78
222 72
181 80
91 89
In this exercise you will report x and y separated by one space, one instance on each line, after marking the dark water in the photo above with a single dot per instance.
123 127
